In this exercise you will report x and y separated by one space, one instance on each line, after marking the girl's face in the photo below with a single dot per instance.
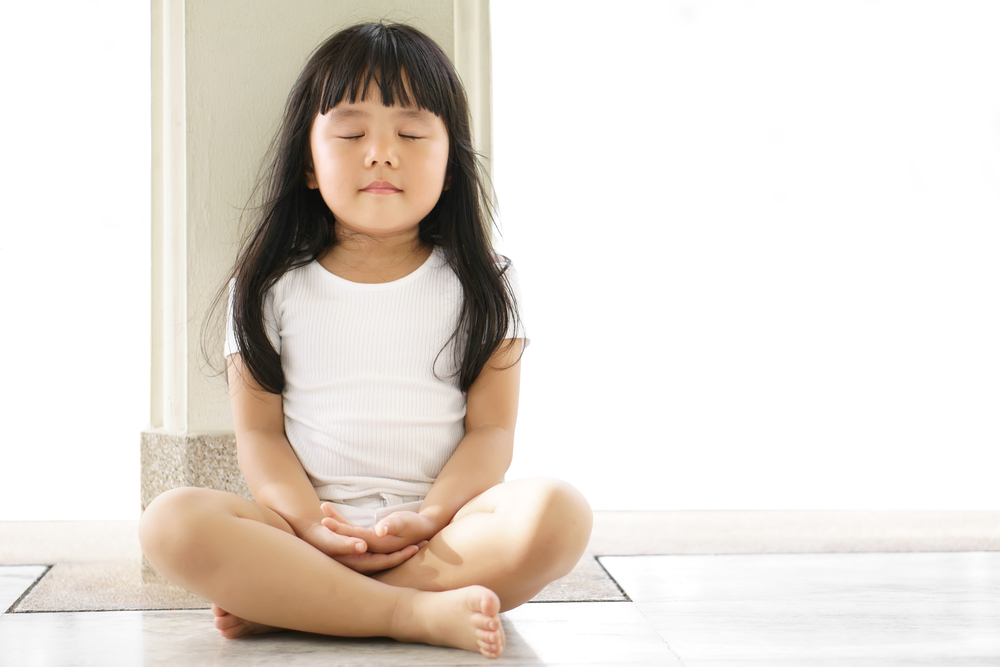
380 169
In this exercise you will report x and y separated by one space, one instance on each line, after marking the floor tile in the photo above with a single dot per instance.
593 634
15 580
875 608
587 633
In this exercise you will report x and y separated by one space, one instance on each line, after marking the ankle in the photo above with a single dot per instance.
404 625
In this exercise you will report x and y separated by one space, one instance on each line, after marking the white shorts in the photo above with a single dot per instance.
366 512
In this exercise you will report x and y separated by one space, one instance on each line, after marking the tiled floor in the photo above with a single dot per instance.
570 633
882 609
733 609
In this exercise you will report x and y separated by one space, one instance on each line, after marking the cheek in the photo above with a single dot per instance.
441 163
333 169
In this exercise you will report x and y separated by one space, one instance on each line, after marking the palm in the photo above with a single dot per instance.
395 532
351 551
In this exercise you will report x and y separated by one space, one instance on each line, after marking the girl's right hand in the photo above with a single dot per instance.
352 551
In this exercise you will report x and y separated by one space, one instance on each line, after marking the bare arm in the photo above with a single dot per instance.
484 454
272 470
276 477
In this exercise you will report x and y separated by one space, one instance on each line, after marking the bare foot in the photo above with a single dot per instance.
231 627
467 618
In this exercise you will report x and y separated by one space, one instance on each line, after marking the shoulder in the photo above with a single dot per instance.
289 282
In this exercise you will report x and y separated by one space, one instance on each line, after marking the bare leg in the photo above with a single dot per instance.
514 539
246 559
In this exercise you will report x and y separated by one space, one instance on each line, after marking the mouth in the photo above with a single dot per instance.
380 188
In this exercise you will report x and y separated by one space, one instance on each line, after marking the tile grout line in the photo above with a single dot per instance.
627 597
10 609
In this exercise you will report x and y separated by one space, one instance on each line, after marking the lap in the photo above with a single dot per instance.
520 498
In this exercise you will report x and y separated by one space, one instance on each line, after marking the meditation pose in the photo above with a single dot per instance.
373 357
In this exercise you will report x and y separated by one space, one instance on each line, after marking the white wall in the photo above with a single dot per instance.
759 244
74 258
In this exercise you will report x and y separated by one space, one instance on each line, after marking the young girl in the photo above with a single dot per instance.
373 361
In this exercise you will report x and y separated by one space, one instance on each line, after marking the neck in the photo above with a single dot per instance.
365 258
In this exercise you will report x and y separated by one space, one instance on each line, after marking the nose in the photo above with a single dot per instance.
381 151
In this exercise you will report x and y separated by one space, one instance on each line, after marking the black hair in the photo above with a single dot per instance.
293 226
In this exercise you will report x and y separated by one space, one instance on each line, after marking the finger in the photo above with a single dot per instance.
342 546
330 510
421 543
346 529
384 527
368 563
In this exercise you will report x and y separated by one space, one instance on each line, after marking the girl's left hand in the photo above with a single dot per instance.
395 532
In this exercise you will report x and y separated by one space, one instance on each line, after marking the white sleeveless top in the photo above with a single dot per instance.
364 410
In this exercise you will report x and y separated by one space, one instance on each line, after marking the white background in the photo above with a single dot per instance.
74 258
758 243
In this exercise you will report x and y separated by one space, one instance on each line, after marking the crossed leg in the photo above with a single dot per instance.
514 539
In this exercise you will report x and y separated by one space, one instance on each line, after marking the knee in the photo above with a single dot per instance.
567 506
565 521
169 526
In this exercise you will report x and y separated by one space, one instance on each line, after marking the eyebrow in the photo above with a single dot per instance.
417 114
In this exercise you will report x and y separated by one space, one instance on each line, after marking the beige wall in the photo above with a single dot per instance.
221 72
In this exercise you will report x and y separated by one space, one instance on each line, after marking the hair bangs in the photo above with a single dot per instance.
389 59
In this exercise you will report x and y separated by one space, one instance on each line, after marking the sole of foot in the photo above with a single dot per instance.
231 627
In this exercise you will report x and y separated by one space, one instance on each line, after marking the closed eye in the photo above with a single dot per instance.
356 136
407 136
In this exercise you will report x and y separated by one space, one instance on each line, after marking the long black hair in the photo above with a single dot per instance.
293 225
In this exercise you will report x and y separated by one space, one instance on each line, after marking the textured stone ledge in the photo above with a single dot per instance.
169 461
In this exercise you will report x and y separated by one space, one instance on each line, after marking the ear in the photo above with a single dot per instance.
447 179
307 165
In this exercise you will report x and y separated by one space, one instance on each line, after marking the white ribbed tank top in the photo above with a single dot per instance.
363 408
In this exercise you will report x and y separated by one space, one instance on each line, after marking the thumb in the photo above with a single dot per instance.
384 528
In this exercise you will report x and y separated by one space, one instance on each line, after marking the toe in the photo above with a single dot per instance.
226 622
488 636
484 622
490 650
489 604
